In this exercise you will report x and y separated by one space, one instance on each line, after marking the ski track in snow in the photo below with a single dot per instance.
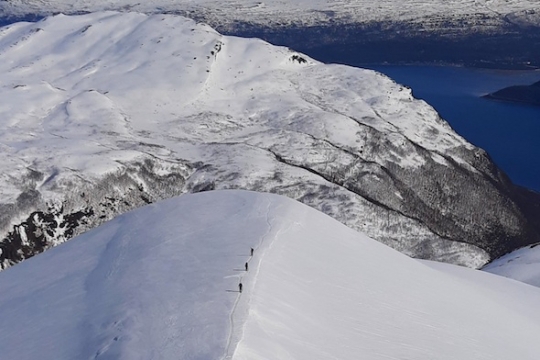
237 328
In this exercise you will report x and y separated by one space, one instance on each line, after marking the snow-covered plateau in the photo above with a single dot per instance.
104 112
162 282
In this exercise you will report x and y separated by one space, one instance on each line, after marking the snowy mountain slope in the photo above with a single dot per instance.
161 282
522 264
108 111
483 15
149 284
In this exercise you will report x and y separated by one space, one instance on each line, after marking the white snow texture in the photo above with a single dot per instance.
522 264
161 282
91 94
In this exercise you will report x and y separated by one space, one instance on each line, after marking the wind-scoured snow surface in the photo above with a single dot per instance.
483 15
522 264
161 282
86 93
105 112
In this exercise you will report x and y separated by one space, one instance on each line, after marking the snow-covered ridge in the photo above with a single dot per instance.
109 111
483 15
162 282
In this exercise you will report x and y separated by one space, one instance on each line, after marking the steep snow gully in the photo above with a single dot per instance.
161 282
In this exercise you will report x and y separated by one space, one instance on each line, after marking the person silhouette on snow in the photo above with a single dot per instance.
246 266
240 287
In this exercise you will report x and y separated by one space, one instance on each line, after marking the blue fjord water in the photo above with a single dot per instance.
509 132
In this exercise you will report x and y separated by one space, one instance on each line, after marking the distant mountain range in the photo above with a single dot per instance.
425 15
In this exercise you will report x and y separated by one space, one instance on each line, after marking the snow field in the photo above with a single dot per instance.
326 294
522 265
158 283
161 282
87 93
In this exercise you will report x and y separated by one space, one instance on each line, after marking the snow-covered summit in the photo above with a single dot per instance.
109 111
161 282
